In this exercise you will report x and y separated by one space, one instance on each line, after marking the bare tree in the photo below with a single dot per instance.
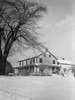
18 21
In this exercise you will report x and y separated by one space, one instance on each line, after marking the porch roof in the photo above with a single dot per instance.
49 65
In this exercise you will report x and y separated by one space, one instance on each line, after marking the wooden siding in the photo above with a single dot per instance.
46 58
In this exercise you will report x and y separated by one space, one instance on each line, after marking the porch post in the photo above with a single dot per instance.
22 63
26 62
35 70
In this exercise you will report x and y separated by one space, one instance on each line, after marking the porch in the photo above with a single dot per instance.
40 69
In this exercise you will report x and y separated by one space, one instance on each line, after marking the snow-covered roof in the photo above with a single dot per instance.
66 62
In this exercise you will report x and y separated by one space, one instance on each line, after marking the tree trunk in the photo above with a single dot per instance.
2 66
2 61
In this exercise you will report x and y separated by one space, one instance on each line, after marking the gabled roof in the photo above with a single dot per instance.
49 53
40 55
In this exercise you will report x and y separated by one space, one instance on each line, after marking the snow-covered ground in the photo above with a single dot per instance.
37 88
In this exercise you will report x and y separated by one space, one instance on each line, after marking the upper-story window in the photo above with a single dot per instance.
40 60
20 63
57 63
53 61
30 61
26 62
44 55
33 60
49 55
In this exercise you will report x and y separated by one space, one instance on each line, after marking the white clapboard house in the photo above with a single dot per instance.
43 64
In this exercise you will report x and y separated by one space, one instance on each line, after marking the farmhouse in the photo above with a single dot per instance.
43 64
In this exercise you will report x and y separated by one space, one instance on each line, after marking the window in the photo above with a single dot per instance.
44 55
33 60
57 63
26 62
40 60
53 61
49 55
20 63
30 61
64 69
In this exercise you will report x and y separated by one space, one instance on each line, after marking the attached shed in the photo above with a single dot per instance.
66 66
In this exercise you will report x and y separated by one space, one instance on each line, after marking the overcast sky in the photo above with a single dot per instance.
58 25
